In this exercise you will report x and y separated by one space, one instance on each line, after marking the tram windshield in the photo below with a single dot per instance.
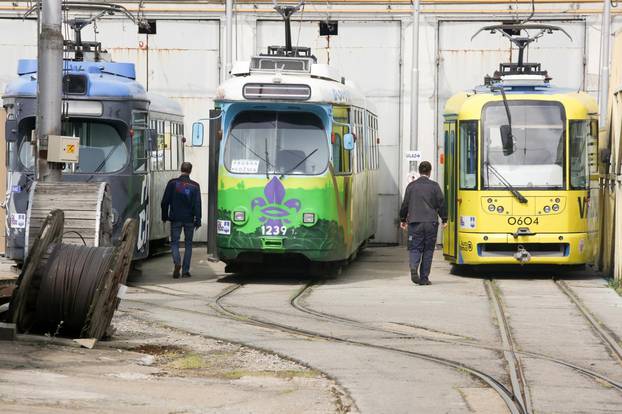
102 148
537 157
268 142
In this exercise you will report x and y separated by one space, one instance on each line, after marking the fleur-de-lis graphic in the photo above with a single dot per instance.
274 211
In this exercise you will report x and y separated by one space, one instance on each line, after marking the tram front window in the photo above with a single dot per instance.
267 142
102 148
536 159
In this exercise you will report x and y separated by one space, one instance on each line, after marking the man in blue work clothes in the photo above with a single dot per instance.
181 205
423 204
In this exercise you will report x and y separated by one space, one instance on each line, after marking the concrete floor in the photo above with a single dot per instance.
378 339
452 319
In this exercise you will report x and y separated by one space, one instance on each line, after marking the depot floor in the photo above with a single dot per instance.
367 340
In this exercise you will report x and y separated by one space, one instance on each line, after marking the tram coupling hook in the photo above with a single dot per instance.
522 255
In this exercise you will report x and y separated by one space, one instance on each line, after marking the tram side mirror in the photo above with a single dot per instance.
348 141
198 131
507 140
605 156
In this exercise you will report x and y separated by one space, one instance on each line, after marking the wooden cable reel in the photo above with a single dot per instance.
66 282
87 211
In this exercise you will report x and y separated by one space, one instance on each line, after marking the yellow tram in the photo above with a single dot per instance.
521 172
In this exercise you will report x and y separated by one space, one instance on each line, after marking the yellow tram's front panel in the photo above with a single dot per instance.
525 201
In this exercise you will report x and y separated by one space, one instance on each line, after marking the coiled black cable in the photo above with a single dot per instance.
73 274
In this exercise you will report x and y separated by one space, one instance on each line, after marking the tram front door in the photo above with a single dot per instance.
449 183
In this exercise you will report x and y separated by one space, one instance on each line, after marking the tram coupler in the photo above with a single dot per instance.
522 255
523 231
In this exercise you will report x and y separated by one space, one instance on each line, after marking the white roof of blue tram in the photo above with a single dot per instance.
327 86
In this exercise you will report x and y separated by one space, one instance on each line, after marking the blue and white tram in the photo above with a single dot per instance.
129 138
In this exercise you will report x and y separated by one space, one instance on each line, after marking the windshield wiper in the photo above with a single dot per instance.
267 162
299 163
521 198
101 165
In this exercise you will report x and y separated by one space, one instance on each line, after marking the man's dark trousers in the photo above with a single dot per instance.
421 244
176 228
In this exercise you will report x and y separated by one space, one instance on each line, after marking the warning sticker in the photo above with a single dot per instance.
18 221
468 222
70 148
223 227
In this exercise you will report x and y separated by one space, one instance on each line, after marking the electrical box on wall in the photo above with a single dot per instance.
63 149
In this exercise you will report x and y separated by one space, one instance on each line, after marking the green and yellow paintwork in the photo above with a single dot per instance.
340 203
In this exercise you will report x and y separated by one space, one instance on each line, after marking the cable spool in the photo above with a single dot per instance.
70 290
66 292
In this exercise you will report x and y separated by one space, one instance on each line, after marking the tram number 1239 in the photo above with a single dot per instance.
520 221
273 230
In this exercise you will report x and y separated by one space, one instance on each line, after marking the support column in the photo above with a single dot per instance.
603 94
414 92
49 85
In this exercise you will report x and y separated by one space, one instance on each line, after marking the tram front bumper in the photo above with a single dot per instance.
560 248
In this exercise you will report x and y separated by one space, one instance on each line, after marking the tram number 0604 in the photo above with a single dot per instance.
522 221
273 230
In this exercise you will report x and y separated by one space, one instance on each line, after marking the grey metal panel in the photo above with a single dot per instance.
19 41
182 62
358 44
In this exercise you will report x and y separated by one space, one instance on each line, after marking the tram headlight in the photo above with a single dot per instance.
555 207
547 209
308 218
491 207
500 209
239 216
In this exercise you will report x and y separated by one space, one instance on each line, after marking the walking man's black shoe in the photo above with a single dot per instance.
414 277
187 274
425 282
176 271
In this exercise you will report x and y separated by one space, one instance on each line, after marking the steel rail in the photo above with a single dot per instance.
515 367
596 325
506 395
305 291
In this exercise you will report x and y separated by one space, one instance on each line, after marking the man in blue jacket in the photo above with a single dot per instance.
181 205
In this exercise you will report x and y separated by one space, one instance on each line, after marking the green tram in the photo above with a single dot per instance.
298 159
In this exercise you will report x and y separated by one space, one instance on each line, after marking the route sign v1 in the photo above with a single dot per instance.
414 156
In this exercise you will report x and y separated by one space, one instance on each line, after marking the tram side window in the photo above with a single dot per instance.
161 144
337 146
579 133
139 150
468 155
174 147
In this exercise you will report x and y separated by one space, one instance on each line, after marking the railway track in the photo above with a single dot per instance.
506 395
601 331
515 367
517 397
